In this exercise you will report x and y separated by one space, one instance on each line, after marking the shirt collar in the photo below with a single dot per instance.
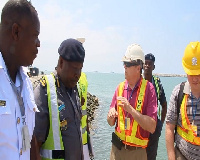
137 84
23 70
2 63
187 89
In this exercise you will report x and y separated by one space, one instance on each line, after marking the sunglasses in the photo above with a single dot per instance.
129 64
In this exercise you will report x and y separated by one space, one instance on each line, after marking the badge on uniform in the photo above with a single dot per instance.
63 124
61 107
127 123
2 103
43 81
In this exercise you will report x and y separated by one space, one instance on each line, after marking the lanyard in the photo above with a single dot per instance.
126 115
74 106
194 107
132 91
18 94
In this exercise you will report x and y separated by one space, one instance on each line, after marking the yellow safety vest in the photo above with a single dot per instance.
186 131
82 88
132 136
54 141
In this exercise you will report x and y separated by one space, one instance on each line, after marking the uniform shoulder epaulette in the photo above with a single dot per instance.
43 81
29 74
157 78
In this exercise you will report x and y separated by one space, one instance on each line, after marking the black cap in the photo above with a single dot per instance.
150 56
72 50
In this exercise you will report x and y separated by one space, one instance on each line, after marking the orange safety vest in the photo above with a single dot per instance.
132 136
186 131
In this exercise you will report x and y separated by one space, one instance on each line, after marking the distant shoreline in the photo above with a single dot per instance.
169 75
156 74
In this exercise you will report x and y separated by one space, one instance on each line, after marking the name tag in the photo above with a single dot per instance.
25 138
2 103
127 123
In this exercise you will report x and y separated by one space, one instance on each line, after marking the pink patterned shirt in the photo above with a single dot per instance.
149 106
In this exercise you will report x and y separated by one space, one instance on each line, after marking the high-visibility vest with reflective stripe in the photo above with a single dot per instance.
82 89
158 96
186 131
132 136
54 139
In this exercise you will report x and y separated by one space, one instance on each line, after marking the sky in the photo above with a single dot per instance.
161 27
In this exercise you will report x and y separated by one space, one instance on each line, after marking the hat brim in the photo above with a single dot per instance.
191 72
124 59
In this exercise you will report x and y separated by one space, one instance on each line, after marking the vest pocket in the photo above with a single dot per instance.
4 107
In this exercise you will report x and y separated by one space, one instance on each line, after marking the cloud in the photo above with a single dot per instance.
188 17
108 31
102 46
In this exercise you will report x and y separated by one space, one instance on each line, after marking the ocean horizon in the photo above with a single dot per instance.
156 74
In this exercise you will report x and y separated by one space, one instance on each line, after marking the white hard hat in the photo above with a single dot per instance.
82 40
133 52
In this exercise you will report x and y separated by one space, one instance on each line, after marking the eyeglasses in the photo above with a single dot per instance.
129 64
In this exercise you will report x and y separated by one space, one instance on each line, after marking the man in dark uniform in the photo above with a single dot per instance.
57 131
149 66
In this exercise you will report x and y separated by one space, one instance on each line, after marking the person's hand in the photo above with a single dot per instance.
112 113
124 103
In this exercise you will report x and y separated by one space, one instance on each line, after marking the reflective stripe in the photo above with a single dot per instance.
157 87
79 90
120 119
54 138
187 133
84 129
84 112
55 113
82 89
185 124
188 136
158 96
47 153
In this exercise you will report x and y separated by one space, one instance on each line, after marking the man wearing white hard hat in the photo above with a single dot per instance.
183 114
133 110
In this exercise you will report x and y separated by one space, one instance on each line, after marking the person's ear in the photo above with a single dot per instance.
15 31
139 67
153 66
60 62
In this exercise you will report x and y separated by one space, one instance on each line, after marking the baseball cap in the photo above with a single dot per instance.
133 52
150 56
72 50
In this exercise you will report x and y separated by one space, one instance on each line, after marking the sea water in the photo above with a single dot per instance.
103 86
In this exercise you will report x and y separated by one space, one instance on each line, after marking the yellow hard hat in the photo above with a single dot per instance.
191 58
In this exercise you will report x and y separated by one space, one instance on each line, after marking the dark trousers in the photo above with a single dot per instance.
125 154
153 142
